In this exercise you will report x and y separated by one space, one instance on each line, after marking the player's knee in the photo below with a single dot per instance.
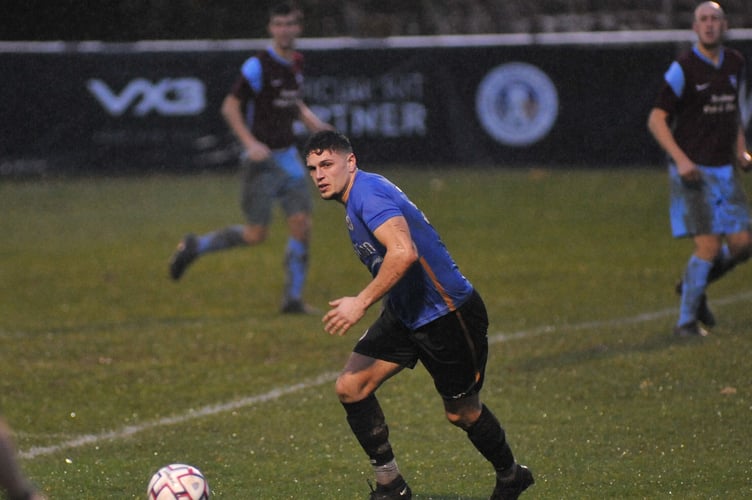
348 389
352 387
454 418
253 235
463 419
463 412
300 226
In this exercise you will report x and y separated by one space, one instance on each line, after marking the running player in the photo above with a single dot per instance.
260 110
431 313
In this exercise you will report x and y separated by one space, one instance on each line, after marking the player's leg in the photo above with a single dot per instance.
12 480
716 207
297 202
454 350
732 218
692 214
722 263
382 352
231 236
736 251
694 283
739 250
356 388
258 188
488 436
296 263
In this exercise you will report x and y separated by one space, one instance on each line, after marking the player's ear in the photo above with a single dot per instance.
352 162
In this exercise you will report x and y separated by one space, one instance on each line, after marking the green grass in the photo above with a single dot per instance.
576 267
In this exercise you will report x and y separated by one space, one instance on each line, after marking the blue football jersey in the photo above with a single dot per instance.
434 285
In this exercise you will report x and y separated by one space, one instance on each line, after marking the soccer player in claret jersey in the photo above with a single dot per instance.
431 313
260 110
705 144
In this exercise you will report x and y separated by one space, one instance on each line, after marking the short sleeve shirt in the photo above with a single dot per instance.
270 88
433 286
702 100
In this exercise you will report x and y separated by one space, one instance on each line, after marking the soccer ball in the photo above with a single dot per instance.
178 482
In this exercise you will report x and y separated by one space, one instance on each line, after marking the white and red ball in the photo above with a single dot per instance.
178 482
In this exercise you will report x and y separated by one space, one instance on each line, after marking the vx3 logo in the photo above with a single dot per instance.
168 97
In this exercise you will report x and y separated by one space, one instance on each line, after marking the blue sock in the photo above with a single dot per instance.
228 237
296 268
695 281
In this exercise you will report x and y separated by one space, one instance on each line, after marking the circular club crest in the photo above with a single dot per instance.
517 104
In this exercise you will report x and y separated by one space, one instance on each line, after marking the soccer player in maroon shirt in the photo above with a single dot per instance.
260 109
696 119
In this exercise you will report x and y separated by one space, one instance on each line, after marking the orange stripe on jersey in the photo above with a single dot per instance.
447 299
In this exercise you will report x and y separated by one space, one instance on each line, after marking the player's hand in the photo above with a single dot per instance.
345 312
689 172
258 152
745 161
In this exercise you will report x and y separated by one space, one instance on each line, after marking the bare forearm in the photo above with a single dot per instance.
664 137
392 270
312 122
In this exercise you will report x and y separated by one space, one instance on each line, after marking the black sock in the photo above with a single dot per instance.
369 426
721 265
489 438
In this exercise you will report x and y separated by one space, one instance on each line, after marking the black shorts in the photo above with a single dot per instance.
453 348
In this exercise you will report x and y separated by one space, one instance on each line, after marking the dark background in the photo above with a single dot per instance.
51 122
119 20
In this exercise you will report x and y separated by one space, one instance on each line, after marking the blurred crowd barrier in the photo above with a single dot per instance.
242 19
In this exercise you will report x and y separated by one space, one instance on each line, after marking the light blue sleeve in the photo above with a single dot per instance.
675 78
251 70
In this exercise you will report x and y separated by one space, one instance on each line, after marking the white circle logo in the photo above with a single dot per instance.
517 104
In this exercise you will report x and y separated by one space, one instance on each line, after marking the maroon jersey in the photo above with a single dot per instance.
269 88
703 105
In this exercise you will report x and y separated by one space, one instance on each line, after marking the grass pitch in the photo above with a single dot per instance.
109 370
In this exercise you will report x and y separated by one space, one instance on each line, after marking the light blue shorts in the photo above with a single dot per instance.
715 205
281 178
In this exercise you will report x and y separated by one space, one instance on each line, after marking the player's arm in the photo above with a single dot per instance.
658 126
743 158
312 122
232 112
400 254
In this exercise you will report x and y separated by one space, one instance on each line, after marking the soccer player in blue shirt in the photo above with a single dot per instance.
705 142
260 109
431 313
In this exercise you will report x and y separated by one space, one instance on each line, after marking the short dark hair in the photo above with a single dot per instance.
327 140
284 9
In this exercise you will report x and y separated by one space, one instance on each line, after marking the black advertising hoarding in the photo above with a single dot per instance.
114 112
499 105
128 109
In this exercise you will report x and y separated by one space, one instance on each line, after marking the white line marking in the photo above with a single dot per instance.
38 451
274 394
